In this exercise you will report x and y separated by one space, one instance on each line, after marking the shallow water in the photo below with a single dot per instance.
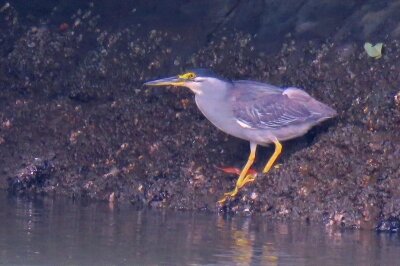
63 232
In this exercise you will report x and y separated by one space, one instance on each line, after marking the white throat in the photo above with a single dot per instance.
210 88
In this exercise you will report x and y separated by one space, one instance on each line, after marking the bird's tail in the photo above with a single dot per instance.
322 110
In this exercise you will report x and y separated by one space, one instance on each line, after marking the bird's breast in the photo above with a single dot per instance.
219 113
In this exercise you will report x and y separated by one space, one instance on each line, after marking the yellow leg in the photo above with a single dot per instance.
243 177
278 150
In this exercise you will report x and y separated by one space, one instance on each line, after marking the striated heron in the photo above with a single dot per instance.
257 112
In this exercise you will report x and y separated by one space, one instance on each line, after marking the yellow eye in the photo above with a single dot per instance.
188 75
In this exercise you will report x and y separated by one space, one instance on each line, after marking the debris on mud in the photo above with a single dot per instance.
32 178
390 225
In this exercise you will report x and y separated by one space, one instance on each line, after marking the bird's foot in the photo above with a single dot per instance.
250 177
228 195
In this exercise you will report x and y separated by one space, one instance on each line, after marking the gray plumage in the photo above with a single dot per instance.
254 111
262 106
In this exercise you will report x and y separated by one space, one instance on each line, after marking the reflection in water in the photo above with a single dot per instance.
49 232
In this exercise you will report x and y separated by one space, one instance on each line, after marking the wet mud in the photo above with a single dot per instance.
75 120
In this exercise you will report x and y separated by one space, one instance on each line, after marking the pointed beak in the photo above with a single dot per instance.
172 81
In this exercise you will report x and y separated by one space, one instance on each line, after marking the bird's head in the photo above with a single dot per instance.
199 81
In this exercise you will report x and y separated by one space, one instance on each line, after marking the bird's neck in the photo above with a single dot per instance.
212 102
213 90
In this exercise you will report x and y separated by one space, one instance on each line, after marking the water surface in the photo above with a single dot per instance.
62 232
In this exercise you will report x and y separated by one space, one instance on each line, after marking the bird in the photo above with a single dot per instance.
260 113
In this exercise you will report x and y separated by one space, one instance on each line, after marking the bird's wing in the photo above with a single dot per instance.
257 107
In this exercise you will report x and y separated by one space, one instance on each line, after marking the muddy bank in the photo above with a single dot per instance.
75 120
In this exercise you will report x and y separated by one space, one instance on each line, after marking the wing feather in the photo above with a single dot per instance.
259 107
